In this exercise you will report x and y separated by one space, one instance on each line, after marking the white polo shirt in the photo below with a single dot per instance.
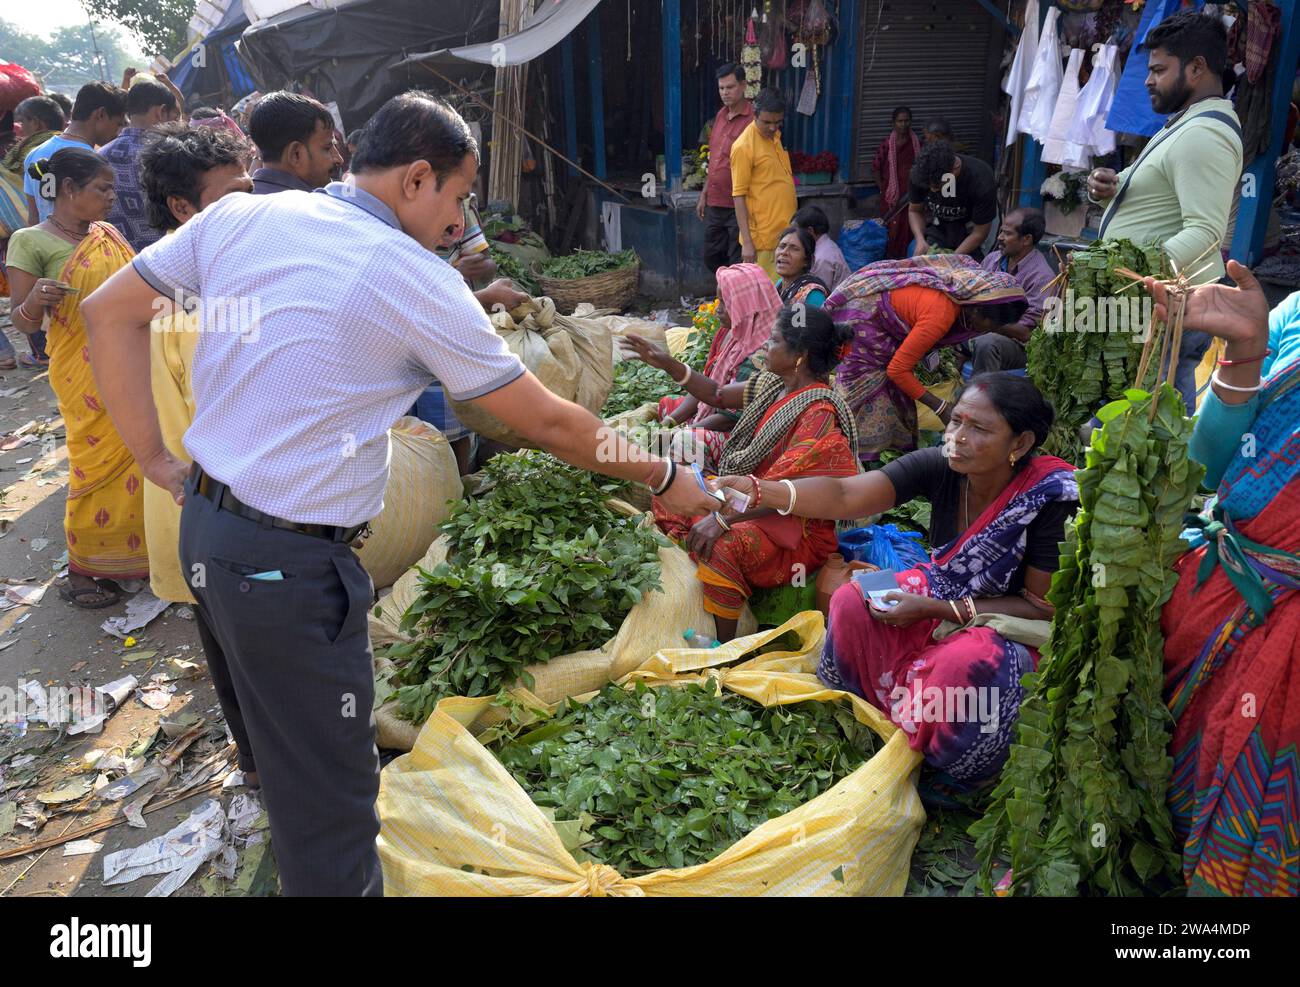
323 322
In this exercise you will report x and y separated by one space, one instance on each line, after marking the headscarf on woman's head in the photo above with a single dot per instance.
220 122
752 304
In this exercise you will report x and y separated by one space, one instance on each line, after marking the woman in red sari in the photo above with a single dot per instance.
891 166
792 425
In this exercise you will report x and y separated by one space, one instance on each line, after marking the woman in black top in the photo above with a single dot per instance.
999 514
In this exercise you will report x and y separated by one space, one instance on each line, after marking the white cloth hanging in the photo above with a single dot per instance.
1018 77
1044 82
1057 149
1089 126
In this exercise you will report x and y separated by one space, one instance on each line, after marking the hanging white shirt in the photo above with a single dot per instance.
1089 126
1057 149
1018 77
1044 82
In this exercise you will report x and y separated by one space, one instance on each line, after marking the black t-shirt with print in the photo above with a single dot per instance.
975 201
925 473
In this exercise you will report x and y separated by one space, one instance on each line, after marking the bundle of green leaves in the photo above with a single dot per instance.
637 383
1080 806
585 263
672 776
537 567
1076 365
508 266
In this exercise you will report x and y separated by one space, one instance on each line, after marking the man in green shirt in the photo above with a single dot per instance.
1178 193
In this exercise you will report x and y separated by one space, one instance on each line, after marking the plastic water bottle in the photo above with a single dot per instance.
695 639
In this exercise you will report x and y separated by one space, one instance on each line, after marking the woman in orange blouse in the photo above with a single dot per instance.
899 311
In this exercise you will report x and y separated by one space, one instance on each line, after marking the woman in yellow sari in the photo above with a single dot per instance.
52 267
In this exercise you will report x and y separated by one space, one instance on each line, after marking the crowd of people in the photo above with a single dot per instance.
236 468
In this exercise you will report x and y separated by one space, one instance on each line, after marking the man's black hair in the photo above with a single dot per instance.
1188 34
1032 223
415 126
99 96
204 113
814 218
769 101
280 118
145 95
65 104
932 164
731 68
899 109
43 109
174 161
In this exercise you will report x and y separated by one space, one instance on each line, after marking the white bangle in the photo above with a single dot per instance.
682 382
669 476
789 486
1214 379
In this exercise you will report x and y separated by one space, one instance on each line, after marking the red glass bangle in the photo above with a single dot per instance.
758 491
1245 362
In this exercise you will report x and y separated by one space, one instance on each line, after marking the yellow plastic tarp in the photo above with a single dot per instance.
453 821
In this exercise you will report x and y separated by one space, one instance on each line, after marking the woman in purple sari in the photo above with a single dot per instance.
899 310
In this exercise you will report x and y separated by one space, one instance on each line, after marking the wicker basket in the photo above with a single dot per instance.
611 289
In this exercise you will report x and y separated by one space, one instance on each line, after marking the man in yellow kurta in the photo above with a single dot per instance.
184 171
762 184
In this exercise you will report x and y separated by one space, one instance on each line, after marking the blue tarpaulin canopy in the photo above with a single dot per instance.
209 70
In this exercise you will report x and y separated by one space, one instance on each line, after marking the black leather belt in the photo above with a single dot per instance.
217 492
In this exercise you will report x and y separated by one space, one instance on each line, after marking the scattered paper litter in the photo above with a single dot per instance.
140 610
22 462
22 760
24 595
79 848
38 544
179 853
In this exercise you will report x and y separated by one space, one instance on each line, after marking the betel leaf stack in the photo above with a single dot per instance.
1077 366
1080 806
537 567
672 776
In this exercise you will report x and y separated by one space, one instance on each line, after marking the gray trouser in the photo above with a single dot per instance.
291 663
993 351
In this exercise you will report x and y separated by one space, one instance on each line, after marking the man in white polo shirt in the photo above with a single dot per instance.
325 315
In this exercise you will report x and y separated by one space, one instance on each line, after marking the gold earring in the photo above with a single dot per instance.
1012 460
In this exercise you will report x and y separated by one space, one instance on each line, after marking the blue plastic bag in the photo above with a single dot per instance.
862 242
885 546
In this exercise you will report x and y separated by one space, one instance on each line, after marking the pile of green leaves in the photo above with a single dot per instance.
1078 371
1080 806
672 776
637 383
585 263
537 567
508 266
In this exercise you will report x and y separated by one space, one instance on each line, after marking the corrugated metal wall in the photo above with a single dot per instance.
931 55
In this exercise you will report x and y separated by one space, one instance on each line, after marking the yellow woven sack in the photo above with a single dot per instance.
658 621
449 805
423 482
573 358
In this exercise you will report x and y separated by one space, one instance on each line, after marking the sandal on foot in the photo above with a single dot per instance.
78 597
33 362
